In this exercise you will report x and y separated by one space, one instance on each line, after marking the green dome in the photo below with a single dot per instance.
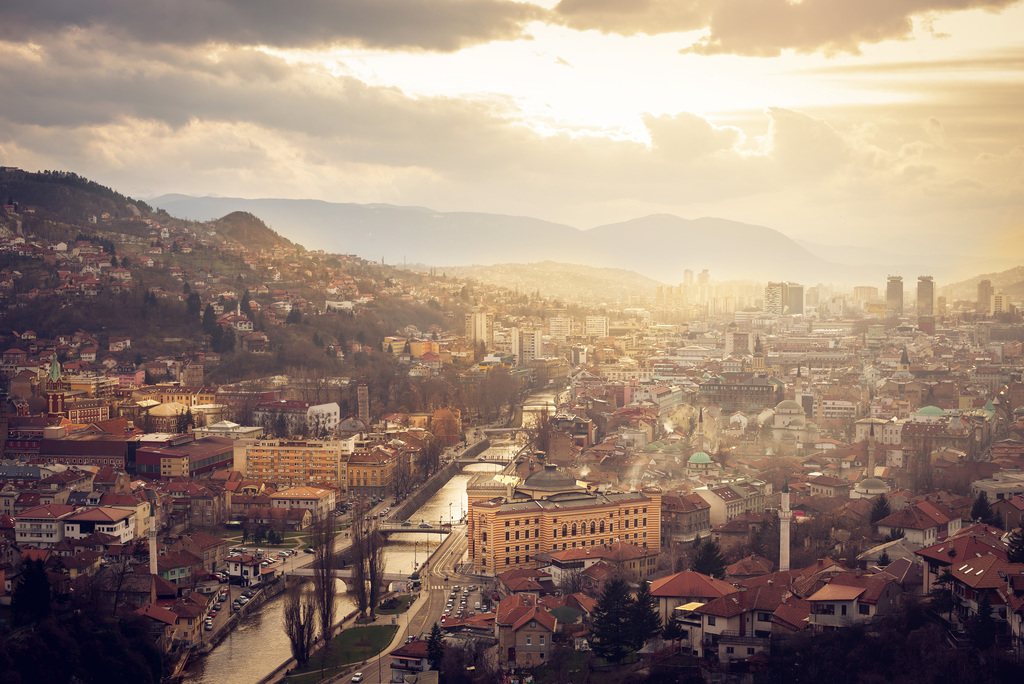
700 457
931 411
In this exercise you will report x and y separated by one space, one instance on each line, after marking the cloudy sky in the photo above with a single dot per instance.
836 121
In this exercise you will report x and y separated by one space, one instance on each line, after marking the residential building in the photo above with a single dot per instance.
319 501
525 630
292 463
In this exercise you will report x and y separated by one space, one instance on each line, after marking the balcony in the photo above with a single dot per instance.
734 638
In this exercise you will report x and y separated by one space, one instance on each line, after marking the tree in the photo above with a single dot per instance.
896 533
193 304
209 320
571 581
708 559
375 566
982 511
357 586
983 629
671 630
321 538
880 509
300 623
435 648
645 623
1015 552
31 600
611 633
943 600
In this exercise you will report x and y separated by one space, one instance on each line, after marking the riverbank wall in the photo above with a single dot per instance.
436 481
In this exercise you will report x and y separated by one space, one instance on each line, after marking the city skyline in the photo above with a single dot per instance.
829 126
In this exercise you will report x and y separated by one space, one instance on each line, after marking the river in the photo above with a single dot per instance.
258 644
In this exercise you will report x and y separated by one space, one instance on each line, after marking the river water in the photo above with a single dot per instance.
258 644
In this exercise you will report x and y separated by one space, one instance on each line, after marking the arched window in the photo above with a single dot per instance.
574 529
565 531
592 527
602 527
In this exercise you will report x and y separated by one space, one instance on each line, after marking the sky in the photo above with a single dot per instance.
890 124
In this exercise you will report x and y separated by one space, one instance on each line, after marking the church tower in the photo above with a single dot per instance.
758 364
53 388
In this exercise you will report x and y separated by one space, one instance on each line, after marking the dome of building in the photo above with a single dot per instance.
931 411
699 457
550 480
789 406
873 484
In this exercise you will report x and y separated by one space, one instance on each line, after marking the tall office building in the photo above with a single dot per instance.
596 326
530 345
925 296
894 296
985 292
775 298
480 327
795 299
560 328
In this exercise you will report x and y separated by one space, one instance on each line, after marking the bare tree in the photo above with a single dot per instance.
375 566
300 623
571 581
357 585
321 537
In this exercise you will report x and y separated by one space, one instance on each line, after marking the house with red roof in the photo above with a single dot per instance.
922 523
525 630
738 625
850 598
687 587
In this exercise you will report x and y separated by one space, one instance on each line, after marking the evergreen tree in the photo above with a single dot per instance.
245 306
983 630
1015 554
708 559
209 320
31 600
435 648
611 633
943 600
982 511
645 623
193 304
880 509
897 533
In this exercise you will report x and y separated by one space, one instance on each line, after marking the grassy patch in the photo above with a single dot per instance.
403 601
353 645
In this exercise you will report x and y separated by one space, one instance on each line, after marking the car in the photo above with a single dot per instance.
213 613
443 618
409 639
307 550
208 626
425 525
357 677
243 600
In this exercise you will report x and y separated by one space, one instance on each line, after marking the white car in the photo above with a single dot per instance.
357 677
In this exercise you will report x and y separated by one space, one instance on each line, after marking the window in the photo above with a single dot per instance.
517 535
764 617
711 620
728 649
506 536
529 641
844 609
825 609
864 609
541 639
750 651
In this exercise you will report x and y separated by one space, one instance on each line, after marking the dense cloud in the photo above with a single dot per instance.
442 25
764 28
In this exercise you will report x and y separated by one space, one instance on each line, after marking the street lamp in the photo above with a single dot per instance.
451 520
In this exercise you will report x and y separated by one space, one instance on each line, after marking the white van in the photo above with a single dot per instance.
476 606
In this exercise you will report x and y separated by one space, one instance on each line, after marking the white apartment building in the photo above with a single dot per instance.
596 326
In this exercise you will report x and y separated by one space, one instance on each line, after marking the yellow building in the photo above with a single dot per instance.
549 511
294 463
370 472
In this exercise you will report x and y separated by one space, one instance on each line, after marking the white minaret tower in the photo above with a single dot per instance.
785 516
152 537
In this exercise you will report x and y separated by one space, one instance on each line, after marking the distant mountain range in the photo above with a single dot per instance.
660 246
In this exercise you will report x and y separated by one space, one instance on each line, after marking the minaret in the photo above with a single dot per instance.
785 516
871 452
700 431
152 537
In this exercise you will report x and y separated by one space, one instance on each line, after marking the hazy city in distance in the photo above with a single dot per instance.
518 341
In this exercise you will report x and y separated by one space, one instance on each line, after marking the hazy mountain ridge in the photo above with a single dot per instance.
1010 281
661 246
248 230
